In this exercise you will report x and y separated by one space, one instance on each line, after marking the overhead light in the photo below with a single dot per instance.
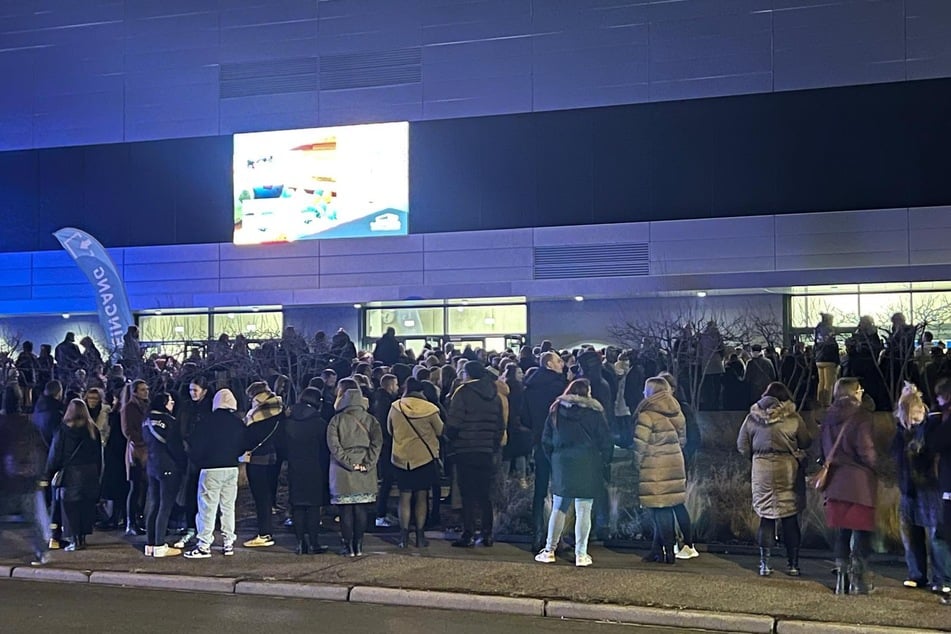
409 323
157 312
358 306
701 293
179 329
579 298
255 309
65 315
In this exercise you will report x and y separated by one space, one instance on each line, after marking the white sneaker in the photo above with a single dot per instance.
545 557
583 560
687 552
184 539
165 551
384 522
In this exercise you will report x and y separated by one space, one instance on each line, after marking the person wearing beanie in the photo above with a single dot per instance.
215 447
262 430
474 430
308 462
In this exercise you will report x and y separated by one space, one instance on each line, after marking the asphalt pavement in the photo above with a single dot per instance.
31 607
720 586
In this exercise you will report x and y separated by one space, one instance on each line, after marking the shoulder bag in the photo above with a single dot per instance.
820 480
425 444
57 479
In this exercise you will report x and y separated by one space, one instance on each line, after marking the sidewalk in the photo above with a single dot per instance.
714 591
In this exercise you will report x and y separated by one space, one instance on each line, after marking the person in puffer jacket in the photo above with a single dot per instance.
659 433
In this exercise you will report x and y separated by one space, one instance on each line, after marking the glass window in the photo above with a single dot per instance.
488 320
881 306
799 315
259 325
173 327
935 310
843 308
407 321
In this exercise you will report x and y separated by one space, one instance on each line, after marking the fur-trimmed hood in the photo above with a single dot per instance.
769 410
351 399
573 400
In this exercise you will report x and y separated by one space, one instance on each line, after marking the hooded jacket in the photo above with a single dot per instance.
578 444
218 441
772 436
354 437
541 390
308 457
162 434
475 421
659 435
415 426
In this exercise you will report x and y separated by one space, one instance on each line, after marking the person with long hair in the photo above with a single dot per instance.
76 452
165 467
578 444
355 439
659 434
135 409
774 437
848 448
919 508
415 426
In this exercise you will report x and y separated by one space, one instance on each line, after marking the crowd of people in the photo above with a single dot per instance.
95 449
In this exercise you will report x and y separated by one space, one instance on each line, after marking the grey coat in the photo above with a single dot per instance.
355 438
773 437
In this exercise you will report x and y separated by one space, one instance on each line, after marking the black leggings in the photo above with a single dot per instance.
307 522
158 507
663 519
475 483
353 521
844 547
135 500
792 536
686 528
259 481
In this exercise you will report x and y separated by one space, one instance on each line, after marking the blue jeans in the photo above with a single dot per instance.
918 540
556 523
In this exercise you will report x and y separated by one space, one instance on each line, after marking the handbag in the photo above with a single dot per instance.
426 444
820 480
248 456
57 479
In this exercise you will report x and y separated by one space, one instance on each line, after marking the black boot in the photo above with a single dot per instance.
667 555
792 569
465 541
404 538
316 548
303 547
859 582
841 576
347 548
421 541
358 547
764 569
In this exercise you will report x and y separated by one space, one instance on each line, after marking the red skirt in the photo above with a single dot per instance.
856 517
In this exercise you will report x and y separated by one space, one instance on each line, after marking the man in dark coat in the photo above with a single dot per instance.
542 387
387 349
22 461
383 398
68 357
474 430
49 410
593 370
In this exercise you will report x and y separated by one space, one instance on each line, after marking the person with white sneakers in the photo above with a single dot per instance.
216 445
578 444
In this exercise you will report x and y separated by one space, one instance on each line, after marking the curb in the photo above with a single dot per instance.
6 572
50 574
697 619
293 590
810 627
448 600
165 582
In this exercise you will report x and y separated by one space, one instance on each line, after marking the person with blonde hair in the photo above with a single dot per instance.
73 467
919 508
851 485
659 434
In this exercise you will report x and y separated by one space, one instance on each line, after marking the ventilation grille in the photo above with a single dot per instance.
371 69
268 78
605 260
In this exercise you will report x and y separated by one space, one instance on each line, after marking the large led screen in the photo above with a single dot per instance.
341 182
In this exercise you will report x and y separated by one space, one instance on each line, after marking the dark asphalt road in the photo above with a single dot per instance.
31 607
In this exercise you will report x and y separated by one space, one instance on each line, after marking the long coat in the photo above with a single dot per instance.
308 457
578 444
852 477
354 438
659 435
80 469
772 435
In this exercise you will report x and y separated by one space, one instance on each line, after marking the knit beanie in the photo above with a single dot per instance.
474 369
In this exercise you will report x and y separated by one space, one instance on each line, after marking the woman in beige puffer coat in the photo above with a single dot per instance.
659 434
